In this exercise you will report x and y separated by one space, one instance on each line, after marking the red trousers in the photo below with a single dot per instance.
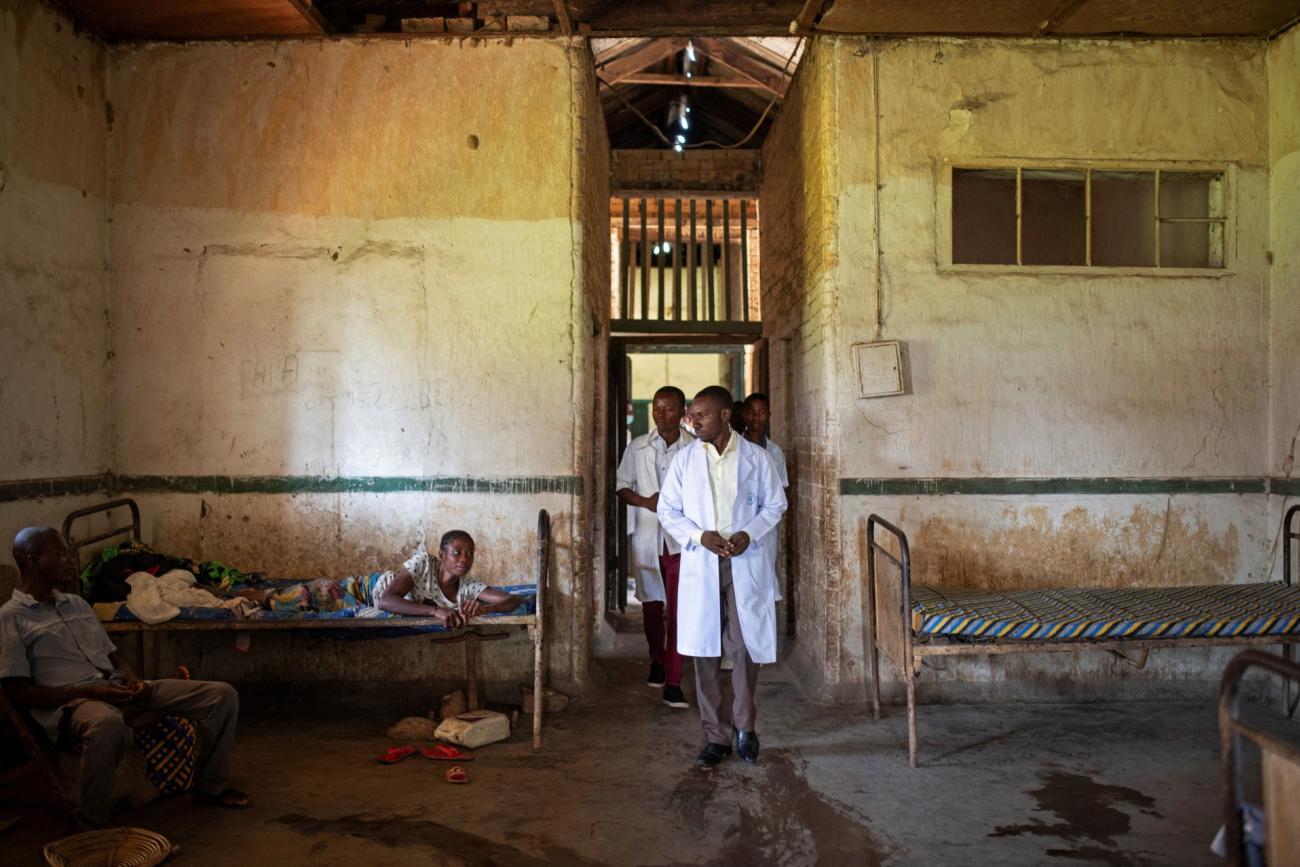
663 648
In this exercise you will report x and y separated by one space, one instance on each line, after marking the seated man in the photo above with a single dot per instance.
57 660
425 586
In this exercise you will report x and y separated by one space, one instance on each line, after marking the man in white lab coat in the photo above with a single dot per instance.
721 500
654 555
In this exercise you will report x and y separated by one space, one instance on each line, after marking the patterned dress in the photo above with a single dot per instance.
424 569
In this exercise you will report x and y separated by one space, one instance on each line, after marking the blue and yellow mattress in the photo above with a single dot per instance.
1219 611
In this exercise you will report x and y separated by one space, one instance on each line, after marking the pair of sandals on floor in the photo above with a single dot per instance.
439 753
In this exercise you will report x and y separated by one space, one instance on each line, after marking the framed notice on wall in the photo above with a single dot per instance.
879 367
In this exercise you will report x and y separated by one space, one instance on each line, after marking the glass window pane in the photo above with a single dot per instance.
1123 219
1187 195
1052 218
1191 245
984 216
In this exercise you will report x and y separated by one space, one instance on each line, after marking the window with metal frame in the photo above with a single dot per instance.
1091 217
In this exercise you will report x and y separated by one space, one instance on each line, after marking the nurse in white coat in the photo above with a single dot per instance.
758 413
721 500
654 556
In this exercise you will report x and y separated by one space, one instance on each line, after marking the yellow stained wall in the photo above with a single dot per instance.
1284 246
1013 375
54 414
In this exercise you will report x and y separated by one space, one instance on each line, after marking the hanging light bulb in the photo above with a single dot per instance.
678 147
690 51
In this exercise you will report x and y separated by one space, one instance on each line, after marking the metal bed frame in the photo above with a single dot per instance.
534 623
1232 731
889 626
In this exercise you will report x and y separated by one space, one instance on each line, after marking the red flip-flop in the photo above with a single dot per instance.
445 753
457 775
396 754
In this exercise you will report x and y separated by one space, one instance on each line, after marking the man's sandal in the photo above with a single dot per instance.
445 753
395 754
231 799
457 775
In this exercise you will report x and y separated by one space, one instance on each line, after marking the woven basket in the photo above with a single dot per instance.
111 847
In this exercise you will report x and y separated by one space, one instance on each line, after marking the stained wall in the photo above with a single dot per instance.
54 403
1057 428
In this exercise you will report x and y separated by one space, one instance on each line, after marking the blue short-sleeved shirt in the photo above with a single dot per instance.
55 644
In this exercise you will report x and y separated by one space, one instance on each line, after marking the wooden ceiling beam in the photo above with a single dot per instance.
741 62
1059 16
562 16
307 9
614 69
662 79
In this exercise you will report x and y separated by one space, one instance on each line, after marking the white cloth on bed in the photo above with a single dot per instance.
159 598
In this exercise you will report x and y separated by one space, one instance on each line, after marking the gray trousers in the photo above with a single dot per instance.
100 733
721 724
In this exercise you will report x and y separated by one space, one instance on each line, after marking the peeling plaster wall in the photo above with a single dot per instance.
1015 375
590 213
801 322
1284 226
53 177
351 260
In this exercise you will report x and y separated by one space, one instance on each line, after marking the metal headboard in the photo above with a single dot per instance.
1289 535
77 545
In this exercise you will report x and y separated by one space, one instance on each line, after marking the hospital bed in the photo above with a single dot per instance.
529 616
910 624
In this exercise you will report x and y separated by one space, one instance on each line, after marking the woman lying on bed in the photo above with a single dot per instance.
437 587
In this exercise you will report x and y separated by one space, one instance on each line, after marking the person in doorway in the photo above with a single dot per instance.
655 556
738 417
437 587
58 662
721 500
758 414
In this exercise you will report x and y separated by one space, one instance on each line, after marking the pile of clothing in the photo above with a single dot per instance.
107 578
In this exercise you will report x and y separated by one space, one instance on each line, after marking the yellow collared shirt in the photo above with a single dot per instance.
722 478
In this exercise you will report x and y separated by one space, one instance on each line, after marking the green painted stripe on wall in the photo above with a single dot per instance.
994 486
39 489
350 484
1285 487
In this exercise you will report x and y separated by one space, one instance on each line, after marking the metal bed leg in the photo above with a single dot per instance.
911 718
872 651
471 671
539 698
1288 685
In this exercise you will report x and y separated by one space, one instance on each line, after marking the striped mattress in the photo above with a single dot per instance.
1219 611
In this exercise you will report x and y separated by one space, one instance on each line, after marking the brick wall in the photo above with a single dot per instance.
798 206
664 169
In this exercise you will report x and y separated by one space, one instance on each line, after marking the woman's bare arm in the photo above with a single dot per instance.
394 601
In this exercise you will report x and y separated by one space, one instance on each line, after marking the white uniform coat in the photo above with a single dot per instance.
644 464
685 506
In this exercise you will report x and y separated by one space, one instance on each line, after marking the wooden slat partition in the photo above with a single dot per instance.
665 236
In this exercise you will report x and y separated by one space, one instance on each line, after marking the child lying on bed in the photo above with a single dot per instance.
426 586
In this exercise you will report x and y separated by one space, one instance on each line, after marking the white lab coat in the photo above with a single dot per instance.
642 469
686 505
778 463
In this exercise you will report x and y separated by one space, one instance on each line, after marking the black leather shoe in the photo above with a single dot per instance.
747 746
657 677
713 754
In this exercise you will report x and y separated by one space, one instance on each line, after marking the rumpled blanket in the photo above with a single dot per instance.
159 598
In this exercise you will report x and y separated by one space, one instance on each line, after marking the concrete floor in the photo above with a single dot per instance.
1114 784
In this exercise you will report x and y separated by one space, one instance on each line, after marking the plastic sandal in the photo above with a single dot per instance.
396 754
445 753
457 775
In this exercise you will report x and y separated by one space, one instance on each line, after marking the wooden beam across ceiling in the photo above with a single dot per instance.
307 9
562 16
652 51
668 79
741 62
